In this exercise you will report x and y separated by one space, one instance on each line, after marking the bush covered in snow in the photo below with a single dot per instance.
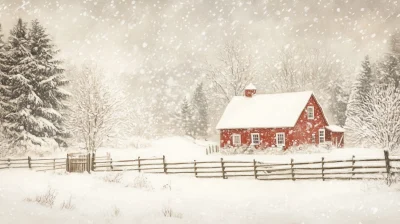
307 149
47 199
113 177
141 182
169 212
68 204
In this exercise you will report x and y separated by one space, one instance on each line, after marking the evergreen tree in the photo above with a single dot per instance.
390 66
3 76
200 107
357 102
186 118
338 102
34 80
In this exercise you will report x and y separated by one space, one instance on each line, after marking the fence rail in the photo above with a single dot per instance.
346 169
38 164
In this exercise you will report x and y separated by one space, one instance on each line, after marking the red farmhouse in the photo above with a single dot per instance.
276 120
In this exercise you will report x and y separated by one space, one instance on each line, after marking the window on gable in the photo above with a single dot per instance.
321 135
280 139
255 138
310 112
236 139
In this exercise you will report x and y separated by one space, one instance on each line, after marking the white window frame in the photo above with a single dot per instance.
319 136
233 139
252 140
308 113
277 139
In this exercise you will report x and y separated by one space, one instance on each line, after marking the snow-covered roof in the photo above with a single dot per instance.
264 110
250 87
335 128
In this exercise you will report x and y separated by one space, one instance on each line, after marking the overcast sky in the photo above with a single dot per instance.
123 35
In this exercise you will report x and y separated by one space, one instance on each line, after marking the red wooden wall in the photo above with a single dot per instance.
301 133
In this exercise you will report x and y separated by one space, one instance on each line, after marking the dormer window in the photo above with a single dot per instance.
310 113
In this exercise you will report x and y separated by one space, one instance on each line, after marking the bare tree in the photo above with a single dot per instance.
232 72
93 108
380 123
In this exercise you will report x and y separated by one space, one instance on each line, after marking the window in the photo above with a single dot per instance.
255 138
321 136
313 138
236 139
280 139
310 112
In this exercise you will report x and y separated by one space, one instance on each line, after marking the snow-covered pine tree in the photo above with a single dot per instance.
3 77
389 68
356 105
186 118
34 81
200 110
50 80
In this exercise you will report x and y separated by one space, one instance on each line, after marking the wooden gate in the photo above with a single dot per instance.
78 162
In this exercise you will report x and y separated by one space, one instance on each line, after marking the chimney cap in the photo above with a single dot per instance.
250 87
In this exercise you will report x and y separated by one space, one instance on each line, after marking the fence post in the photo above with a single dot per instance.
389 175
138 160
29 162
323 179
54 164
291 167
217 148
93 160
67 164
195 169
352 164
255 169
164 164
88 159
206 151
223 168
111 166
9 163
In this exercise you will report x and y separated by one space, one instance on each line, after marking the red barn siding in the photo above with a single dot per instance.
301 133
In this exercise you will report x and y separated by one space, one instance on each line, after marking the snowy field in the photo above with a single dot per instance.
134 198
193 200
186 149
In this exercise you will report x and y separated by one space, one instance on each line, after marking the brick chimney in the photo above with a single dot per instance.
250 90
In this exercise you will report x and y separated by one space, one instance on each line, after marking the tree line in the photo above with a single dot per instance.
373 110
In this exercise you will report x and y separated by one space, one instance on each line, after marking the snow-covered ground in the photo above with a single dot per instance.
197 200
194 200
186 149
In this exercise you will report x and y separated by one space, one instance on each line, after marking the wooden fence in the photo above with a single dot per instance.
212 149
39 164
347 169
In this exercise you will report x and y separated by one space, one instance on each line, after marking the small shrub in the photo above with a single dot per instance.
142 182
115 211
68 204
113 177
47 199
167 211
167 186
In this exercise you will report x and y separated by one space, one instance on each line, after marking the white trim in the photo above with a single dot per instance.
255 134
277 138
308 113
233 139
319 136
